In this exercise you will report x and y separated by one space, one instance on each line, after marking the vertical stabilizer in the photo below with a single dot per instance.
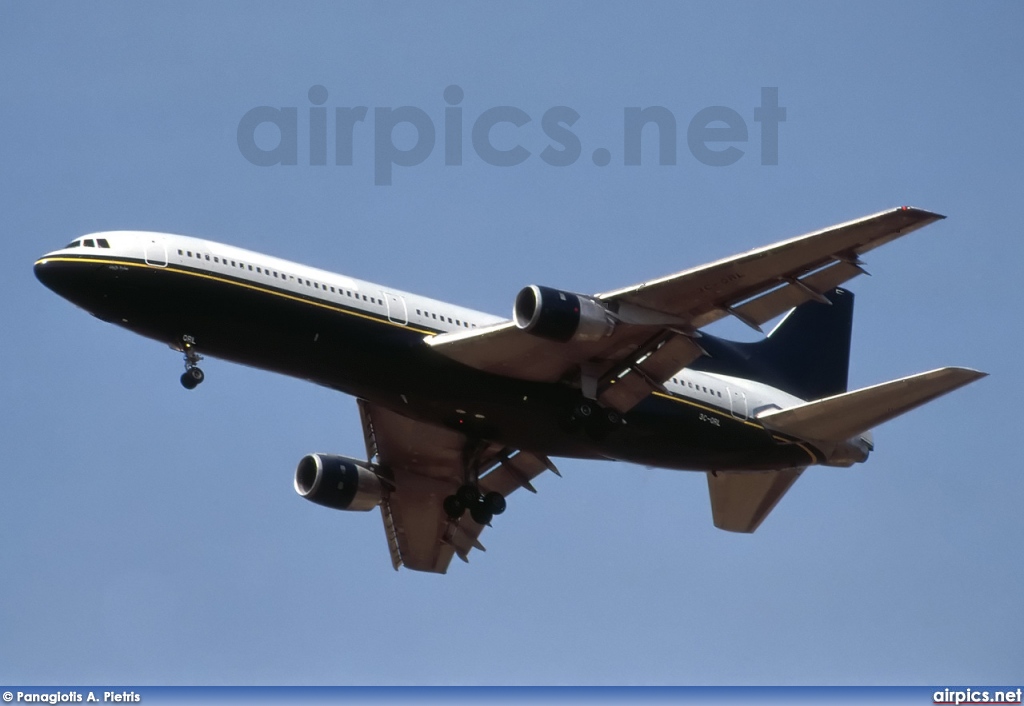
807 354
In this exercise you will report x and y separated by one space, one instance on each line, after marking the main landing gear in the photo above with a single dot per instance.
193 374
482 507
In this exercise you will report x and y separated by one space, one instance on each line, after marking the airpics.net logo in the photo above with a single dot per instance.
958 697
406 136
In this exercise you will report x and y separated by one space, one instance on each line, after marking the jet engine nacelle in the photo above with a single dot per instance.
338 482
561 316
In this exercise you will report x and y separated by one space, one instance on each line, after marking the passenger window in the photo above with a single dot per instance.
207 258
216 260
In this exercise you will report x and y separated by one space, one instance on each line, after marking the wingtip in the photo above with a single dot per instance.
924 212
966 372
960 376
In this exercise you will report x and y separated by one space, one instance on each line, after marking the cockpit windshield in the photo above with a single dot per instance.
88 243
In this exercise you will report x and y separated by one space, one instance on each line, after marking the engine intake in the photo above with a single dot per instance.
338 482
561 316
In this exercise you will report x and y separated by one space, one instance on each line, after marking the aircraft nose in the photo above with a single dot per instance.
70 279
45 272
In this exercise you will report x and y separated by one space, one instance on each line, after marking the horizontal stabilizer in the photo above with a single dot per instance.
741 501
844 416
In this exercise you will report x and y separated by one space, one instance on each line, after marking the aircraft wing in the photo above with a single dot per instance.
741 500
424 464
655 322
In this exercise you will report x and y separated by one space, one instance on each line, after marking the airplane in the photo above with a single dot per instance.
460 408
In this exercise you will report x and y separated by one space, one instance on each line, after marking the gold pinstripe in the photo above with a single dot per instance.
246 285
682 400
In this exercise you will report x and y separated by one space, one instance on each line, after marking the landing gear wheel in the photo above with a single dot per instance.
191 378
480 514
468 495
453 507
192 375
612 417
494 503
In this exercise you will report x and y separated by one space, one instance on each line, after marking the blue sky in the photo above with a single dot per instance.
151 535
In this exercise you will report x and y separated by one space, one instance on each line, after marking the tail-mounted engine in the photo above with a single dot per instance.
338 482
561 316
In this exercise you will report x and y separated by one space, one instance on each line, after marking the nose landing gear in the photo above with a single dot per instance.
193 374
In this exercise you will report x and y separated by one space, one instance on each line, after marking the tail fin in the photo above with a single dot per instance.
807 354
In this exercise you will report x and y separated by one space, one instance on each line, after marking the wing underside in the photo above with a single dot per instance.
424 463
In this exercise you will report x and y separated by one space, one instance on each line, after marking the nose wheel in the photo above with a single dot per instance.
192 377
193 374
